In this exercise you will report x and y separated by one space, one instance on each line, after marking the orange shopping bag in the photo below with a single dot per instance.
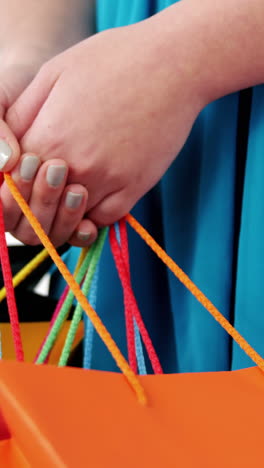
66 417
74 418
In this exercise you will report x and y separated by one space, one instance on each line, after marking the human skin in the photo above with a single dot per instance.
31 33
24 48
147 84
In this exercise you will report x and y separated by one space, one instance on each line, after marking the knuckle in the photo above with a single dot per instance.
34 241
44 139
10 226
10 223
4 99
45 70
48 202
12 116
105 217
27 143
28 238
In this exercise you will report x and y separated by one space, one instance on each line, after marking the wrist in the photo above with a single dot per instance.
17 56
217 47
174 46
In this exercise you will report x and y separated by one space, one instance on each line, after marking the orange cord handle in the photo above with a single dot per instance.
96 321
179 273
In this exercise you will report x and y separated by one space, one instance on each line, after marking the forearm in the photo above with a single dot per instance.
31 22
217 44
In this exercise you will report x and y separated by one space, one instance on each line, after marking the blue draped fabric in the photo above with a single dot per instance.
192 213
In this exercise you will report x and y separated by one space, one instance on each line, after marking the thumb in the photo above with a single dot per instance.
9 147
22 113
13 81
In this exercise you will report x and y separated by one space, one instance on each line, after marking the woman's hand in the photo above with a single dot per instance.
118 107
115 109
59 207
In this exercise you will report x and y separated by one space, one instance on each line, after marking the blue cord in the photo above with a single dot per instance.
89 328
139 351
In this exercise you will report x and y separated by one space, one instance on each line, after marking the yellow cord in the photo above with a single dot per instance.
26 271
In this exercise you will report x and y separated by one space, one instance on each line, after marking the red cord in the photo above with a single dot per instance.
130 331
145 336
119 257
128 306
8 282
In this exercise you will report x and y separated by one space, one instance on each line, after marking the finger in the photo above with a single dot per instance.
45 198
9 147
111 209
23 176
4 100
85 234
23 112
69 214
13 80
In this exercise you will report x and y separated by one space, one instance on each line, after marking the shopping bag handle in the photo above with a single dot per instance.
98 325
121 362
197 293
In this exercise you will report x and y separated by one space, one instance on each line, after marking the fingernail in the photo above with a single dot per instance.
83 236
5 153
55 175
29 167
73 200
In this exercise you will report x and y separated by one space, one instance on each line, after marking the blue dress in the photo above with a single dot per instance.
207 212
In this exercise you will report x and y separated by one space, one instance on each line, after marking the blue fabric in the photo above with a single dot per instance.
191 212
249 318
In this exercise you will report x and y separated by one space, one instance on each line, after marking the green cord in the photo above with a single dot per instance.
77 316
53 333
